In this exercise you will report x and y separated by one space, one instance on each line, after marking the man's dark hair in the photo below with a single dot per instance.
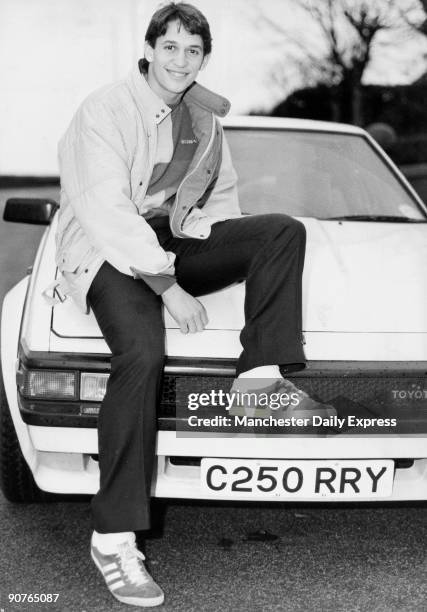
188 15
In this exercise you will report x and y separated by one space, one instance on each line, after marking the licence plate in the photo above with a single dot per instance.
267 478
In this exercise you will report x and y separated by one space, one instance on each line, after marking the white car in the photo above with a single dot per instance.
365 329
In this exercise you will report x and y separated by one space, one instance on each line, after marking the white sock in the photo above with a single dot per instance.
107 543
267 371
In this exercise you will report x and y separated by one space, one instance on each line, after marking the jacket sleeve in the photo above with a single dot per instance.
95 176
224 199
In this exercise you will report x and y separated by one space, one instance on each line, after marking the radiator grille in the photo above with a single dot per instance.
403 398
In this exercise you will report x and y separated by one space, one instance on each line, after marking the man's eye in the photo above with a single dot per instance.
194 51
170 47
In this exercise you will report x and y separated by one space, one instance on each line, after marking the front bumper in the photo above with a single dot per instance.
177 473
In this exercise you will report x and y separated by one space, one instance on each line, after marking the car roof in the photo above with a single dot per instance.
254 121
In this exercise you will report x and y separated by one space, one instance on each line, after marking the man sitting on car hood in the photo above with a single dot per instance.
149 216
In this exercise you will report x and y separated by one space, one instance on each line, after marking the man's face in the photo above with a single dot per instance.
175 62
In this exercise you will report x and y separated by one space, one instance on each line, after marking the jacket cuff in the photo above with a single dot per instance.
157 282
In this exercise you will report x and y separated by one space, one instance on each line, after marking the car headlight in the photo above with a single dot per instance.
93 386
47 384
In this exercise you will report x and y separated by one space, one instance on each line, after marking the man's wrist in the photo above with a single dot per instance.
171 290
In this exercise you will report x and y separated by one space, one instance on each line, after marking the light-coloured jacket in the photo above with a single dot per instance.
106 159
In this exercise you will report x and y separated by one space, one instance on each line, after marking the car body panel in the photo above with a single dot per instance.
318 345
339 317
359 277
11 314
284 123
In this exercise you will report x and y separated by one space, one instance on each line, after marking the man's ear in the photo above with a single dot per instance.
148 52
205 61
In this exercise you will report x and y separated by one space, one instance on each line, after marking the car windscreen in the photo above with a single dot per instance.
316 174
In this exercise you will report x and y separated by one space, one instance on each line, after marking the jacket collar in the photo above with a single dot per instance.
158 109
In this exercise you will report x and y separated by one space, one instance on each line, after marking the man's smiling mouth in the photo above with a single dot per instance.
177 75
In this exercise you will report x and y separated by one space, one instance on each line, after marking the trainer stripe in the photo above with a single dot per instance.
116 585
113 577
109 567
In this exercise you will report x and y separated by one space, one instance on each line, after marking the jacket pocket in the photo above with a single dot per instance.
73 279
72 253
70 261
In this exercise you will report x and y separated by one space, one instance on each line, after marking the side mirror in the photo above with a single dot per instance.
39 211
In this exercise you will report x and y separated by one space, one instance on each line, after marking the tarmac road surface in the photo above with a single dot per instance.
228 558
216 557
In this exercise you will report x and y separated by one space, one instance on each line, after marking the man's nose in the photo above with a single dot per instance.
180 58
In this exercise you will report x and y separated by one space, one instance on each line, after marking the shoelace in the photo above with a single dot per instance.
291 388
130 559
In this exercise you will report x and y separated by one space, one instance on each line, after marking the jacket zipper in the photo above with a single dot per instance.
152 145
191 173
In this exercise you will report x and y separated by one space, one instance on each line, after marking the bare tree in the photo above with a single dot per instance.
350 30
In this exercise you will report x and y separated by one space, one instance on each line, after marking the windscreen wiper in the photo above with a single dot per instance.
385 218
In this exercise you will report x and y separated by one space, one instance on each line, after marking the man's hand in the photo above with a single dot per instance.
188 312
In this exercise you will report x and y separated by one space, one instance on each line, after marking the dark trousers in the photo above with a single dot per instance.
267 251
